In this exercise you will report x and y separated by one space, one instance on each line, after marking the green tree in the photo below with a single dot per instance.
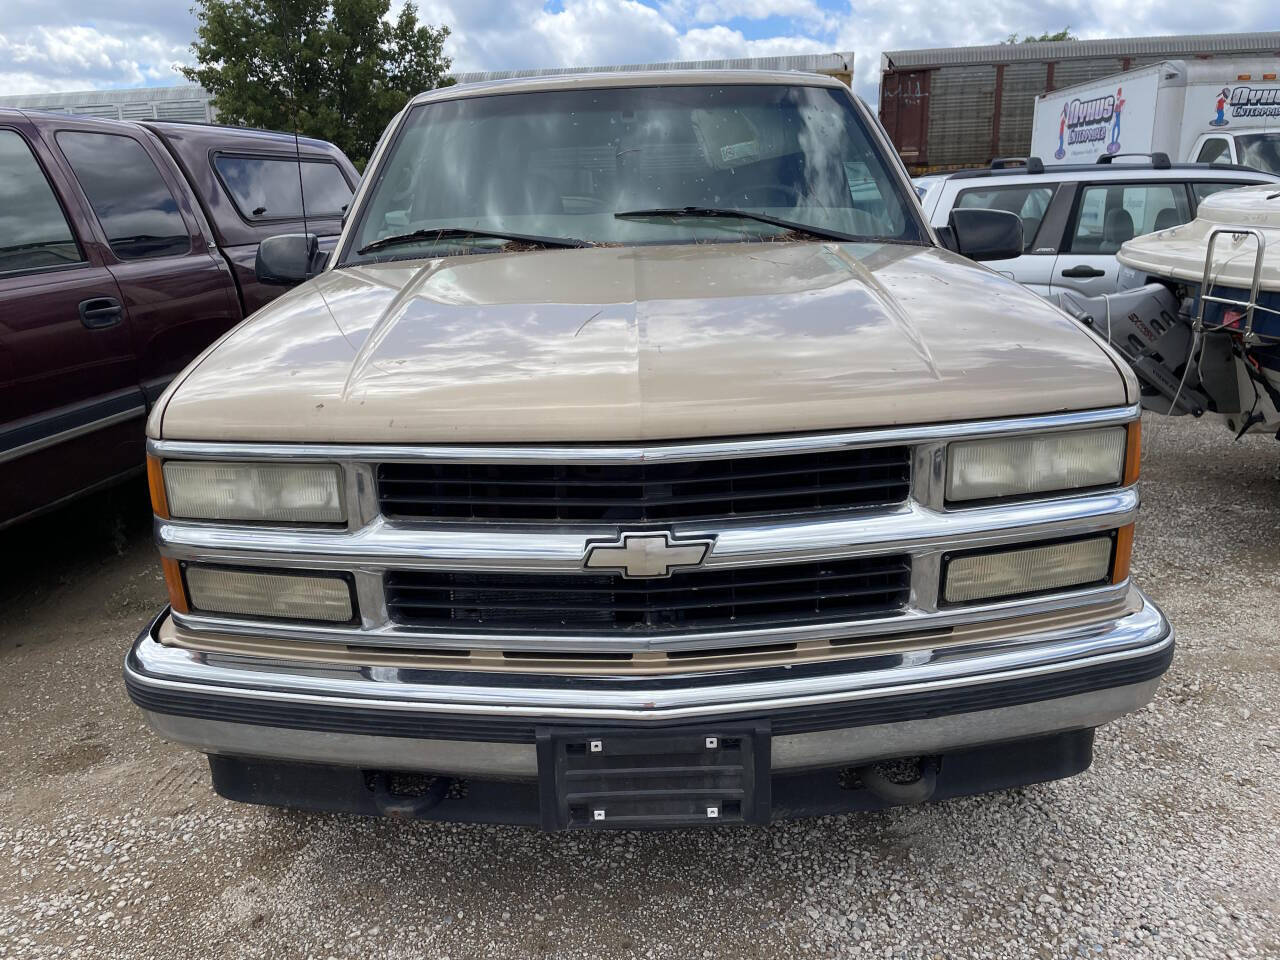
1063 34
334 69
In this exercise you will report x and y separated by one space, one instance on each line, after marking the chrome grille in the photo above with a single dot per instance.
664 491
701 599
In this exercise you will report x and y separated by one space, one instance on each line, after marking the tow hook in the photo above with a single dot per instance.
406 806
901 794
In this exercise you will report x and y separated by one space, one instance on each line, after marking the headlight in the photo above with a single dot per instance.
1027 570
263 492
252 593
1038 463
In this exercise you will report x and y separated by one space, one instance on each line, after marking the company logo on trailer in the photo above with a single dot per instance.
1246 102
1090 121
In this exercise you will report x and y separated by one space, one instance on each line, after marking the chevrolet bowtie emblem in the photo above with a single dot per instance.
646 554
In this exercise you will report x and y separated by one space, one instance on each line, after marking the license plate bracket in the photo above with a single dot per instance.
629 779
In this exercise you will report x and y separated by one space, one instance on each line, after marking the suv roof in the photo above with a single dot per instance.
222 130
1109 171
234 132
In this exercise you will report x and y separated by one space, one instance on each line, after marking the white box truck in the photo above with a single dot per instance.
1210 111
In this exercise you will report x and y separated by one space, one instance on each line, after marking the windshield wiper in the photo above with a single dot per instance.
727 212
456 233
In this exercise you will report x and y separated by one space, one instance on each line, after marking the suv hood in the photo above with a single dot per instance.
640 343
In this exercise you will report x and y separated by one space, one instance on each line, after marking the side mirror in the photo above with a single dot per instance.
984 234
289 259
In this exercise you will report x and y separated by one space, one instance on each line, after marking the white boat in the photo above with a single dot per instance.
1198 315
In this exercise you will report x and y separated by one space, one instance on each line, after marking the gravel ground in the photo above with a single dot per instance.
113 845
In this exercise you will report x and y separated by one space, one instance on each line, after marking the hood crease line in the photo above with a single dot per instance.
383 326
894 309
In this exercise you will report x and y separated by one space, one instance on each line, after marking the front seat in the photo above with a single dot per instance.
1166 218
1117 228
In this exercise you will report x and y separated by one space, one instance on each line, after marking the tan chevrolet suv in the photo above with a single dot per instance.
642 458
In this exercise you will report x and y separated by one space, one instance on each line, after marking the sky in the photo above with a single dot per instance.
53 45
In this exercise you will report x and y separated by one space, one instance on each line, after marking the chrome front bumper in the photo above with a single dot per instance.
464 724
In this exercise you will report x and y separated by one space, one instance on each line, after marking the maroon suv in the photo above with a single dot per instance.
125 250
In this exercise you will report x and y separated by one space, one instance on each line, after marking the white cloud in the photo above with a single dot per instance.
46 59
514 34
719 42
78 44
19 82
806 12
606 31
523 33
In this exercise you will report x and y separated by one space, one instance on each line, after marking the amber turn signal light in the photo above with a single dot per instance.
155 482
173 580
1133 453
160 504
1123 551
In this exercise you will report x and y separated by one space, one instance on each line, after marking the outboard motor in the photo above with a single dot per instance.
1143 325
1203 334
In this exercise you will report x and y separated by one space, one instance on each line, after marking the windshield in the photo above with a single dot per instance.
1260 151
561 164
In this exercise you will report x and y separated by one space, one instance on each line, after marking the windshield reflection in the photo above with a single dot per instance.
561 163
